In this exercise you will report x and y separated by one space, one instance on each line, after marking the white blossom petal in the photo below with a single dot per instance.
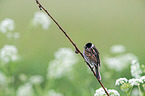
25 90
143 78
113 92
135 81
8 53
7 25
100 92
135 69
117 49
36 79
121 81
40 18
64 60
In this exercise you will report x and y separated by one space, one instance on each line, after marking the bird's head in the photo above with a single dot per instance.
88 45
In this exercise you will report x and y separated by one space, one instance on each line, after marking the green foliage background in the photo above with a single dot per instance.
102 22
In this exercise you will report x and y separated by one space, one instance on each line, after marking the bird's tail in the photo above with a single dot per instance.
97 72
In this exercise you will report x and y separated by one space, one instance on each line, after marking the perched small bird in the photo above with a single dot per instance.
91 55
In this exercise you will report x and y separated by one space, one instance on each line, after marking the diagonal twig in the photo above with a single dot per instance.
76 48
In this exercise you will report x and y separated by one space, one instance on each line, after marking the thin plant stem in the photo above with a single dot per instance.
38 89
129 91
76 48
139 90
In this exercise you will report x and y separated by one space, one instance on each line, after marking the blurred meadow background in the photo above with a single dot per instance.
36 59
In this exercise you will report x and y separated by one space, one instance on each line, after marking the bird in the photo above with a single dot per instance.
91 55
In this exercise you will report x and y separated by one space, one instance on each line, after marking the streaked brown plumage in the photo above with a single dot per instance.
91 55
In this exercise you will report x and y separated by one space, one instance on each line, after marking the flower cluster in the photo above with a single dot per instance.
62 64
42 19
121 60
135 69
121 81
36 79
126 85
135 82
117 49
143 78
25 90
101 92
7 27
113 92
8 53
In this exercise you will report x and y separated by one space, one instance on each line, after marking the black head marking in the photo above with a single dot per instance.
88 45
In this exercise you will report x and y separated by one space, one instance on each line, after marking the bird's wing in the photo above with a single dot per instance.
97 56
86 58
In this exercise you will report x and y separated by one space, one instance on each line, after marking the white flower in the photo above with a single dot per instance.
119 62
143 78
135 81
36 79
62 64
3 79
7 25
113 63
66 55
8 53
25 90
117 49
135 69
41 18
113 92
23 77
100 92
53 93
121 81
15 35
